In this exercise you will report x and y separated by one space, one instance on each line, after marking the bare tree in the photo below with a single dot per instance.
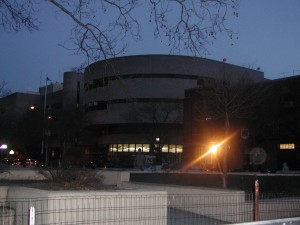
3 90
154 116
196 23
69 126
228 98
157 113
102 28
15 14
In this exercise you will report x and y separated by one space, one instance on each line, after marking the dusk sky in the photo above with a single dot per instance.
268 37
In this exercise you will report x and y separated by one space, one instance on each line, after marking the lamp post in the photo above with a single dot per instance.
45 120
3 146
158 159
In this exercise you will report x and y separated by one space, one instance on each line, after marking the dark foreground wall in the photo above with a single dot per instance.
268 182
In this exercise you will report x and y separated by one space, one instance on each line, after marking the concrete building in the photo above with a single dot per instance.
277 128
16 104
13 108
26 118
66 96
137 101
263 141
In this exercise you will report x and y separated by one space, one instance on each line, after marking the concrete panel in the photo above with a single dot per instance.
220 204
22 174
3 193
113 177
89 207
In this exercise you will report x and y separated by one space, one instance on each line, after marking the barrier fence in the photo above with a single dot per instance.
154 209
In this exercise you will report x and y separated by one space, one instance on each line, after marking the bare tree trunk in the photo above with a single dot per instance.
224 174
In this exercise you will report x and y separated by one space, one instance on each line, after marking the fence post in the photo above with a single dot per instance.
31 216
256 201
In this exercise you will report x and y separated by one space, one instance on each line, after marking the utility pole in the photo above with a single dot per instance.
44 122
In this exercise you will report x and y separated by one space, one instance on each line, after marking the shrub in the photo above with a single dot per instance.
74 178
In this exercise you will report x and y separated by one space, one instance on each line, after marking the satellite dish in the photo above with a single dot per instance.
258 156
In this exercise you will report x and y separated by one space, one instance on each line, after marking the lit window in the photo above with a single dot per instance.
164 148
119 147
139 146
126 148
146 148
132 147
287 146
172 148
113 148
179 148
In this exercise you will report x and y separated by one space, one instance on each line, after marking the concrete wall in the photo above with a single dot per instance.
89 207
114 177
182 74
164 64
269 183
72 91
216 203
18 173
227 205
22 174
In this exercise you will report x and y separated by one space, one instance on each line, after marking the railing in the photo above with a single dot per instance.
156 209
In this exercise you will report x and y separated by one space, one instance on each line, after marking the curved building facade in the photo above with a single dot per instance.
137 101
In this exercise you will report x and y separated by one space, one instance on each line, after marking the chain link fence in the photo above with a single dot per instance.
148 209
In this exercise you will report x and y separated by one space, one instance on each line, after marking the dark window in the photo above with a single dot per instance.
102 82
92 106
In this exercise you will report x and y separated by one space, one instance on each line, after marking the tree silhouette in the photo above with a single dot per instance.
160 121
228 98
101 29
68 127
3 90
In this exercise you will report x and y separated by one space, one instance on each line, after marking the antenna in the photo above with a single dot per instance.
41 79
283 73
295 71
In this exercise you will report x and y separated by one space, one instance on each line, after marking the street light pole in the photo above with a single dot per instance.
44 120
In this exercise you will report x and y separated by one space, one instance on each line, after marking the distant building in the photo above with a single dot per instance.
263 142
145 102
67 96
16 104
25 117
278 126
13 108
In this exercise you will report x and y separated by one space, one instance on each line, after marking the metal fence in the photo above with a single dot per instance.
230 208
148 209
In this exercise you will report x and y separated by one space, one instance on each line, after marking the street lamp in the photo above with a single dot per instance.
213 149
158 159
3 146
44 129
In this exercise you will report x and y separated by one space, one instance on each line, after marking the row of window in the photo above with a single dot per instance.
103 81
287 146
102 105
166 148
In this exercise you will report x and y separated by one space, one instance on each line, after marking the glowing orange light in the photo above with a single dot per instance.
213 149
